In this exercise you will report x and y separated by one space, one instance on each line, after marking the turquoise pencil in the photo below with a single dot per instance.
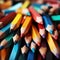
4 31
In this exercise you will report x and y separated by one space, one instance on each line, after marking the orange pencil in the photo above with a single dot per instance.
26 25
5 54
23 19
36 36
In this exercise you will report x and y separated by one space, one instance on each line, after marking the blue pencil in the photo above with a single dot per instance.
13 8
4 31
15 51
48 24
31 55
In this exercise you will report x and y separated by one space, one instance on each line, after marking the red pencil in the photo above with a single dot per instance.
1 15
41 30
7 19
36 16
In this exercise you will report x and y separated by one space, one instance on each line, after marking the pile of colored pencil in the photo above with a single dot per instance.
30 30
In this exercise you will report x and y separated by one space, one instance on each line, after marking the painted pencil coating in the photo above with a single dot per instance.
7 19
41 29
26 25
48 24
13 8
6 42
16 22
35 35
37 18
53 46
4 31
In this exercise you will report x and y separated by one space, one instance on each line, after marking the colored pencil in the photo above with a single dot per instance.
25 5
16 22
4 31
55 17
36 16
7 41
16 37
41 30
54 48
12 8
1 15
48 24
36 36
24 49
7 19
33 47
26 25
43 49
28 39
5 54
31 55
23 55
15 51
23 19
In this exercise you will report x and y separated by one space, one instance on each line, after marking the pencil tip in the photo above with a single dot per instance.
57 55
27 44
33 50
1 47
15 42
51 31
43 36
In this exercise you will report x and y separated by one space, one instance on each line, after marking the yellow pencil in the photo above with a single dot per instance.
16 22
53 46
25 5
35 35
26 25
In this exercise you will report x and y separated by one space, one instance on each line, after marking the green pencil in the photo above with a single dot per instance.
7 41
55 17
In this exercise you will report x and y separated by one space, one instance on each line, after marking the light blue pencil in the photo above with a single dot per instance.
13 8
4 31
15 51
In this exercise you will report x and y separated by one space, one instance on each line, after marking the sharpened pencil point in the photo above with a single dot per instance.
33 50
43 36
